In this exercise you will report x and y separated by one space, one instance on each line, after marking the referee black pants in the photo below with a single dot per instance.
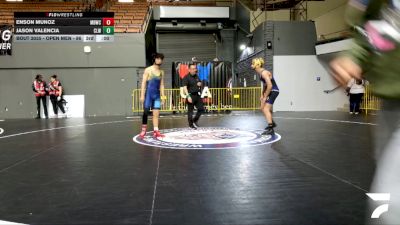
196 101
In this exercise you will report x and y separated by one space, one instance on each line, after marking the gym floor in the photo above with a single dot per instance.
89 171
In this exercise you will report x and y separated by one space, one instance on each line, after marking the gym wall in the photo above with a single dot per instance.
106 76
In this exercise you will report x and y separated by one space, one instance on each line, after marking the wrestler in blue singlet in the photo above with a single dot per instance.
152 98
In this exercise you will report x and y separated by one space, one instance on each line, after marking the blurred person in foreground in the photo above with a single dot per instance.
376 53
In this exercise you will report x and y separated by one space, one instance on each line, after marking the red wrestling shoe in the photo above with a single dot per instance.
157 134
143 132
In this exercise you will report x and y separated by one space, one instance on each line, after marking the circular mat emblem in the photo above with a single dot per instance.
207 138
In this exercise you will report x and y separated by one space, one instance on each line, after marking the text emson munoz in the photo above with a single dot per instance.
35 22
37 30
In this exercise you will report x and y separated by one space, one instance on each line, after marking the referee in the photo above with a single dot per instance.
192 90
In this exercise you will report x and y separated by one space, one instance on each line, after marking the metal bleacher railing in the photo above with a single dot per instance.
370 102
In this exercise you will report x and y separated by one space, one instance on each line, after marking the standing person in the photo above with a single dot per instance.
375 53
192 89
269 94
356 89
151 93
39 89
56 92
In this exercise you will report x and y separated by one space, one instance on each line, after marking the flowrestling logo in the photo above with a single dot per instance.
207 138
380 197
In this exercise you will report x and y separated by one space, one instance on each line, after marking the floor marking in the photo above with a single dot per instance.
60 128
325 120
34 156
2 222
173 117
332 175
155 189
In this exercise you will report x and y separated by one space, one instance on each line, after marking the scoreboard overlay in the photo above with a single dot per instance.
64 26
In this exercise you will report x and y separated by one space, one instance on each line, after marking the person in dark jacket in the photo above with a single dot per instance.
39 88
56 92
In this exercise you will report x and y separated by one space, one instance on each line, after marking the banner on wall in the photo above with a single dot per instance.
213 74
5 40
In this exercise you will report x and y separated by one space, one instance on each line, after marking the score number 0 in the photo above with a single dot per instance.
108 21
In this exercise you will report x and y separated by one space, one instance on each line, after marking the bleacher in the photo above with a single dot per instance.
129 17
184 3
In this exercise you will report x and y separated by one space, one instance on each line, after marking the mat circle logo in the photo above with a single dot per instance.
207 138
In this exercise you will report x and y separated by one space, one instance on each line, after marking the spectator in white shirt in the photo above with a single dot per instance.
356 90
